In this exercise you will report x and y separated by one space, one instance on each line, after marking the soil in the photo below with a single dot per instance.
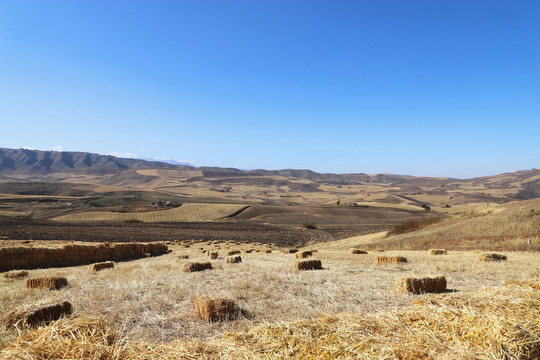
24 229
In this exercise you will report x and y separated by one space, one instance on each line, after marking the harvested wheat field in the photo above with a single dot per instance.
149 305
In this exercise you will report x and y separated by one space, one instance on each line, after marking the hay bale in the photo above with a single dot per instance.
492 257
388 260
234 252
50 283
16 274
234 259
437 252
378 250
38 315
303 254
195 266
4 238
357 251
267 251
419 286
248 251
215 309
100 266
307 265
291 251
183 257
213 255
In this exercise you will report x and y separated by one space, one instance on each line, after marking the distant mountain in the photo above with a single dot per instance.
288 186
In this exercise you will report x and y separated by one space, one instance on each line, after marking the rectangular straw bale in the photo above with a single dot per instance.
422 285
267 251
234 252
385 260
51 283
39 314
183 257
234 259
307 265
491 257
215 309
437 252
357 251
16 274
195 266
101 266
213 255
303 254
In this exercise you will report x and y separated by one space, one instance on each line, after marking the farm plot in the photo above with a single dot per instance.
186 212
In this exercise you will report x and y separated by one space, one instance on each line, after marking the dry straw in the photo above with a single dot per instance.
493 323
234 259
38 315
16 274
533 284
101 266
307 265
437 252
50 283
389 260
419 286
357 251
215 309
304 254
491 257
195 266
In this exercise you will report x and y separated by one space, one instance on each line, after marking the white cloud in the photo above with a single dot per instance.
123 154
57 148
29 148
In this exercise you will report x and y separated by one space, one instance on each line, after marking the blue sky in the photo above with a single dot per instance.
427 88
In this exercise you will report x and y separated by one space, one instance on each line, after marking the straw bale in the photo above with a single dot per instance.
196 266
215 309
248 251
491 257
290 251
4 238
267 251
183 257
213 255
303 254
16 274
234 259
386 260
378 250
307 265
357 251
51 283
101 266
437 252
422 285
234 252
38 315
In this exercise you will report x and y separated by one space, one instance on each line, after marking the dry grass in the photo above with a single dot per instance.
186 212
151 300
494 323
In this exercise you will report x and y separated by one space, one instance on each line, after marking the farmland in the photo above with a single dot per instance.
156 299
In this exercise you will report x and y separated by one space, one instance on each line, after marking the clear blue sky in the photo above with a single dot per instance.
427 88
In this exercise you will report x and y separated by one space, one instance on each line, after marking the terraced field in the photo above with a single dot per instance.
186 212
